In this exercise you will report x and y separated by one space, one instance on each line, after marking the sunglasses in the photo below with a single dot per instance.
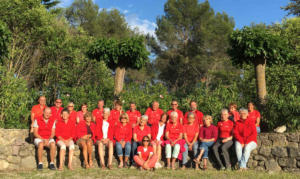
58 102
174 104
70 106
145 140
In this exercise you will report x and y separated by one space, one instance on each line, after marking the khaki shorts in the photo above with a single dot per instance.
38 140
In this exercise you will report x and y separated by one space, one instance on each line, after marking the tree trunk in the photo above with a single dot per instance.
260 72
119 80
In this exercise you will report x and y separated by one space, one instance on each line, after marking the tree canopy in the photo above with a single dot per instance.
293 7
5 37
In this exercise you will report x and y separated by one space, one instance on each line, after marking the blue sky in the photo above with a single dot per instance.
142 14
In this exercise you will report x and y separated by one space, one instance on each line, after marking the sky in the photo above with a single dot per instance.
142 14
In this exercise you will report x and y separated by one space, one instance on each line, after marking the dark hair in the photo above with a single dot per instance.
100 100
84 104
193 101
118 102
65 110
233 104
132 102
164 114
250 102
146 137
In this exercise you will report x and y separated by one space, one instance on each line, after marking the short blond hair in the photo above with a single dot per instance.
124 115
208 117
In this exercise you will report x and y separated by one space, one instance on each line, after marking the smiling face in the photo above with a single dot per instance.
88 119
47 113
163 118
174 105
100 104
132 107
243 115
174 119
224 116
191 119
42 100
106 114
193 106
155 106
143 122
58 103
84 108
250 107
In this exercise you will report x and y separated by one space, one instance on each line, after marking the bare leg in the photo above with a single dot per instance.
84 152
90 150
52 151
110 152
101 154
40 152
173 163
62 154
71 152
168 162
121 161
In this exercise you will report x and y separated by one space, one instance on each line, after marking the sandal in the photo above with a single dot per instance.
110 167
197 161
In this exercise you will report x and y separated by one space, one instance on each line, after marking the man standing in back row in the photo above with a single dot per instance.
198 114
154 113
56 109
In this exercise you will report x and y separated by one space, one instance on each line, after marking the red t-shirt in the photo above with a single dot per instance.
253 115
73 116
141 133
236 115
97 113
190 131
115 116
133 116
210 132
174 131
55 113
225 128
38 111
145 152
245 131
198 117
180 114
153 116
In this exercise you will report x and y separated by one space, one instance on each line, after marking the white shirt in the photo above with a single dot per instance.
105 126
160 131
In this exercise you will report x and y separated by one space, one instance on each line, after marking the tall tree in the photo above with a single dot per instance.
293 7
192 43
5 38
120 55
257 45
50 3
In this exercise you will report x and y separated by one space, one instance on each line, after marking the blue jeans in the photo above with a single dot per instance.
186 152
258 129
243 154
119 149
205 146
133 149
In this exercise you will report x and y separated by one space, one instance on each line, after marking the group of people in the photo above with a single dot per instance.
139 140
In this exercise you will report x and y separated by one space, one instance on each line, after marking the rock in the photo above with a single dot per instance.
28 163
15 150
261 163
265 151
14 159
24 153
280 129
13 167
271 165
3 164
278 139
19 142
294 137
293 144
293 152
279 151
298 164
259 158
2 150
260 168
266 142
254 151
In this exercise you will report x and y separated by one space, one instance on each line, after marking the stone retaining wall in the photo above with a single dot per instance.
275 152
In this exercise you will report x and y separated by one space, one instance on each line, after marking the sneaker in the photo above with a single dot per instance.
157 165
52 167
222 168
40 166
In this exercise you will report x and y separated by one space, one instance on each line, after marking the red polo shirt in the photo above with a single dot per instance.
123 132
73 116
198 117
38 111
245 131
133 116
65 130
153 116
190 131
180 114
174 130
253 116
97 113
141 133
56 112
225 128
145 152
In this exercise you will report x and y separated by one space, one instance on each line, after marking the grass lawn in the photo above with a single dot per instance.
133 173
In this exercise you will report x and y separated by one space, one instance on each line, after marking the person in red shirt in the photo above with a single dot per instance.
246 138
138 133
65 133
104 137
174 105
44 132
198 114
225 128
97 113
174 133
72 112
190 135
56 109
145 158
85 135
80 114
154 113
37 111
234 115
123 136
157 135
254 115
134 115
208 135
116 112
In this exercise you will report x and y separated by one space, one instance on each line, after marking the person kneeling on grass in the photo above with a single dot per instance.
65 132
44 132
245 134
85 134
145 159
208 135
